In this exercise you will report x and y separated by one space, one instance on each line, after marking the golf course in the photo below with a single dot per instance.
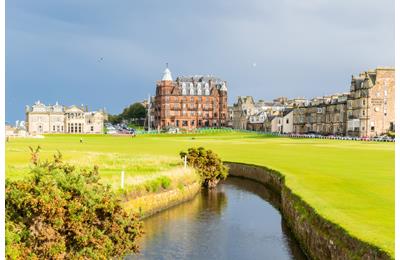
350 183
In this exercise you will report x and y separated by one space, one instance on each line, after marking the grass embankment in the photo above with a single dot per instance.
350 183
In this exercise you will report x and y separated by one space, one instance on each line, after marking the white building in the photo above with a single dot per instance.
56 118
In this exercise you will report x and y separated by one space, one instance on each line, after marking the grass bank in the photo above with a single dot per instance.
350 183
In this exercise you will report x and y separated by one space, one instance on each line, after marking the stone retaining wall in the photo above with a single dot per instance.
152 203
319 238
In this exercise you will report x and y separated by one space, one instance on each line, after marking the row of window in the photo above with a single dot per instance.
191 105
183 123
58 128
77 128
192 113
192 99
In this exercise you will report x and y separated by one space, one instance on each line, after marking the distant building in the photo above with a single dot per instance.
371 103
368 110
256 121
230 117
281 123
41 119
242 109
190 102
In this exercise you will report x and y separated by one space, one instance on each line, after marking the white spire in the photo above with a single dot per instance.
167 74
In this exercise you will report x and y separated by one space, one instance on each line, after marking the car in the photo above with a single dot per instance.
173 130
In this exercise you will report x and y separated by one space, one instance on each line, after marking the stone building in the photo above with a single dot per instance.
323 115
230 117
368 110
242 109
190 102
371 103
41 119
256 121
281 123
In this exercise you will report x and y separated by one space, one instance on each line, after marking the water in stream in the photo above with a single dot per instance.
235 221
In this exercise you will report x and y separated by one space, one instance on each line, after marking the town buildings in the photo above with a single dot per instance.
41 118
190 102
368 110
323 115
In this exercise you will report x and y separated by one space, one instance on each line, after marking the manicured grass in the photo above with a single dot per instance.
350 183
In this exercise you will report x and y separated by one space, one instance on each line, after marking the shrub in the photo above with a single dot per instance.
207 164
165 182
60 212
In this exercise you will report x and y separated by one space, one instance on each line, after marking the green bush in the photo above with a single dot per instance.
208 164
155 185
58 212
165 182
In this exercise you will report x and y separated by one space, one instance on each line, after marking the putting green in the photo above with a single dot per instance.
350 183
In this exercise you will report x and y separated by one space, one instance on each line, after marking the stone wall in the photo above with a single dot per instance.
152 203
319 238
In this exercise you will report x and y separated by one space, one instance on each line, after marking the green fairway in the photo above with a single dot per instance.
350 183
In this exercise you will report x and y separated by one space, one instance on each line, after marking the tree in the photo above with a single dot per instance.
207 164
62 213
115 119
134 111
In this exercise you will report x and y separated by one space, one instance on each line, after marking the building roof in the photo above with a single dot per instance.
167 75
286 112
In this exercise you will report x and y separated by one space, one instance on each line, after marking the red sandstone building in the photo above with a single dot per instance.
190 102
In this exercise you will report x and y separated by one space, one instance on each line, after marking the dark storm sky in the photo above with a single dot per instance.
110 53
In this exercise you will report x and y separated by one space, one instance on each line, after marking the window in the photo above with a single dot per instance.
372 128
92 128
177 123
363 112
184 123
192 123
287 121
54 128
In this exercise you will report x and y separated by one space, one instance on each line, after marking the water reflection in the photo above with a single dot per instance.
238 220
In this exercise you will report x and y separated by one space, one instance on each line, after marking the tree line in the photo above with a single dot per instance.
133 112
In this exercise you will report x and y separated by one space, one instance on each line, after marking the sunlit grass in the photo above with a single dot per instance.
349 182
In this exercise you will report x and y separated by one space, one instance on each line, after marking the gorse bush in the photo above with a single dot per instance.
58 212
207 164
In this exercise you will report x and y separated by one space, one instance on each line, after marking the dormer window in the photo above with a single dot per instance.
183 88
206 89
191 89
